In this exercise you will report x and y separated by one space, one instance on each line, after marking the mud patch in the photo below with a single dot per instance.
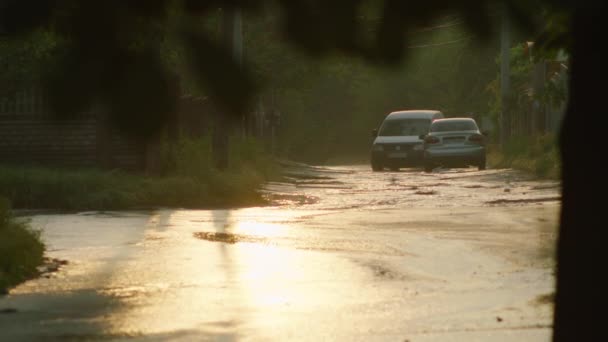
324 245
524 200
548 298
479 186
381 271
545 187
319 182
114 214
402 188
424 185
344 207
384 202
394 184
497 175
342 246
430 185
152 238
224 324
426 192
227 237
321 186
50 266
294 177
133 291
290 199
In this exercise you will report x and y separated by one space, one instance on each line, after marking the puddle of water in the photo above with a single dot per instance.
524 200
226 237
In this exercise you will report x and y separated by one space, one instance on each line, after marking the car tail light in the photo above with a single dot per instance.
431 140
476 138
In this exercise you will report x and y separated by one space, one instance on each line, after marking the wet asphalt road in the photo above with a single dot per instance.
344 254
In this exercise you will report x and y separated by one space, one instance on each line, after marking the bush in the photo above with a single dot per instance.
39 187
189 180
249 167
21 250
539 155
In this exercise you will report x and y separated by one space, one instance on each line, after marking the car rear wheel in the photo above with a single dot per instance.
482 164
428 167
377 167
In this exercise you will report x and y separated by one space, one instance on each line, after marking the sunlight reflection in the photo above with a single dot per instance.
258 228
205 282
266 273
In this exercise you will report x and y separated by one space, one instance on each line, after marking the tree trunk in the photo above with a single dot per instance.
231 38
579 311
220 141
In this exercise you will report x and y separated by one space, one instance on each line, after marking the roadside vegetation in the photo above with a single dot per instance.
189 180
21 250
325 108
532 143
536 155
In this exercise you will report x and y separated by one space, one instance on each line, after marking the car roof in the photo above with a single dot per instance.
454 120
413 114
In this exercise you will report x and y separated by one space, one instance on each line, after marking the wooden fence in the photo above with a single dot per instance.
30 134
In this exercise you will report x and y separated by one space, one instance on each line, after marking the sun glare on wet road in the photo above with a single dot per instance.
393 256
246 280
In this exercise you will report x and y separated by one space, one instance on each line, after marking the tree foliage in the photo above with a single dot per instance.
104 60
22 61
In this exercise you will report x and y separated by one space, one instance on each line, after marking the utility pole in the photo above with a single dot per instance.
232 37
505 78
236 42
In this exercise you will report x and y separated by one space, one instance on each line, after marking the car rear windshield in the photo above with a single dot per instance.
446 126
401 127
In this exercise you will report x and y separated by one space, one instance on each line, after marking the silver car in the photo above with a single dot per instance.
454 142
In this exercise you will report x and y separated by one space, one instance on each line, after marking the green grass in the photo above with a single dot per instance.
21 249
190 181
539 156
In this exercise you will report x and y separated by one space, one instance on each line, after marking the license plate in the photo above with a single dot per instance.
397 155
453 140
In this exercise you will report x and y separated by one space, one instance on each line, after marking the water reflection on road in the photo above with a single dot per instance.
345 254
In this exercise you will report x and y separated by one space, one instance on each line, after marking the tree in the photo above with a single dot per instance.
23 60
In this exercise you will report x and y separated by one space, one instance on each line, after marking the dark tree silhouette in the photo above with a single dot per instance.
581 289
101 65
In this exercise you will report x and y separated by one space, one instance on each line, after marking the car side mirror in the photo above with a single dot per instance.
374 133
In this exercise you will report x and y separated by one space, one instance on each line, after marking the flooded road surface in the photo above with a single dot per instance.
344 254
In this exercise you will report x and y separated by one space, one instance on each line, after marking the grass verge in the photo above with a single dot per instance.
190 181
21 250
539 156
